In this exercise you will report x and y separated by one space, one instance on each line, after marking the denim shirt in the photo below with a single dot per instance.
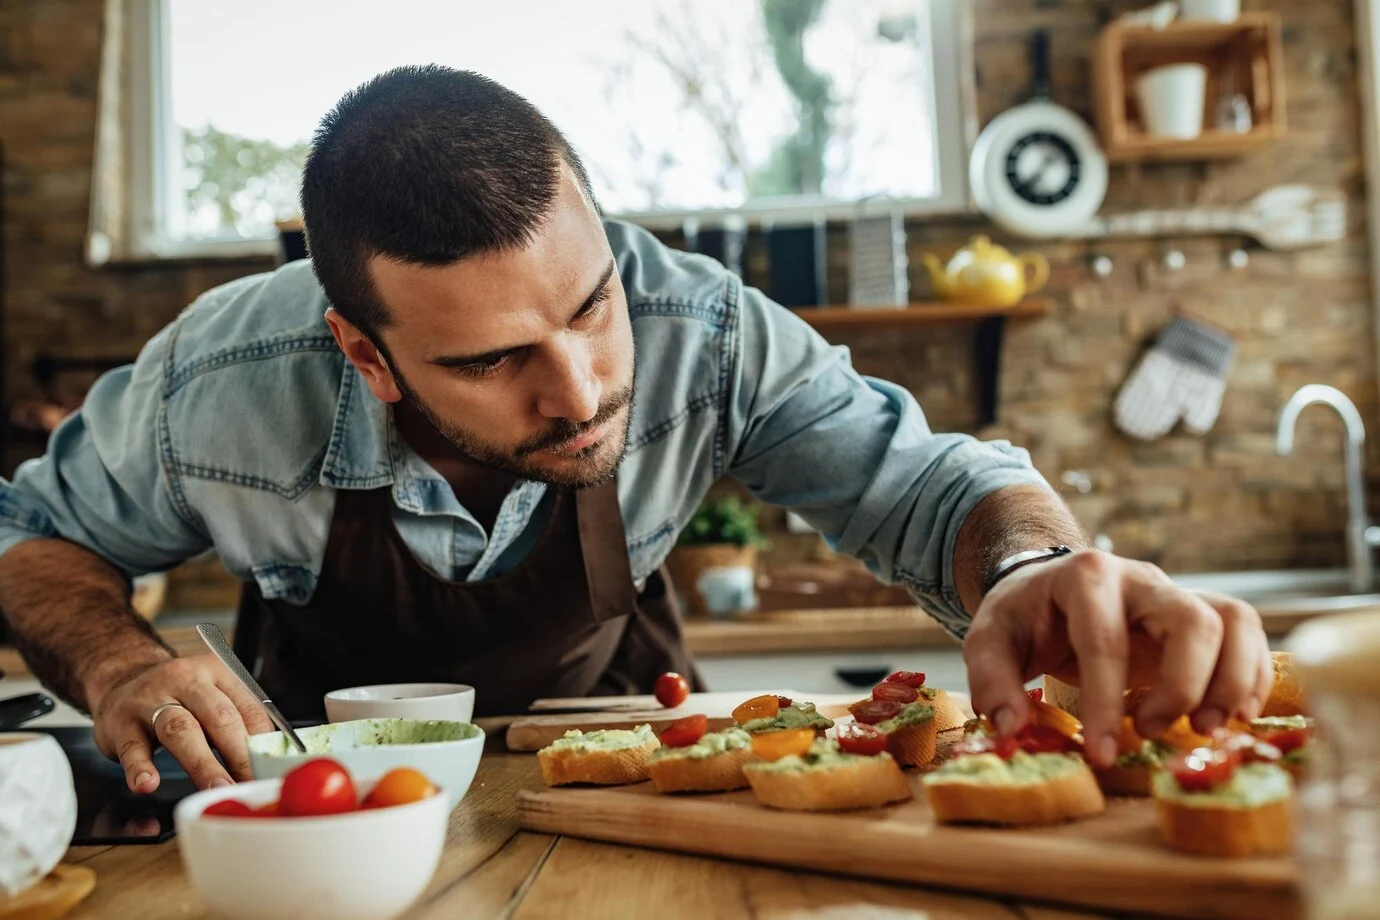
238 423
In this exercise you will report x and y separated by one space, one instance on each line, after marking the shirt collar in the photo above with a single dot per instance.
360 452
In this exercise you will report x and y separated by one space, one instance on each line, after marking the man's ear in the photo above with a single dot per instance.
365 356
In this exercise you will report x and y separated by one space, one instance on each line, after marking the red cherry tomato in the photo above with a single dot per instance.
870 712
1037 695
901 693
317 787
1245 747
1036 739
269 810
400 786
1202 769
783 701
685 732
1286 739
859 738
914 679
228 808
671 689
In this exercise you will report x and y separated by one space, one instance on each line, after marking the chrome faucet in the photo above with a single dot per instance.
1361 535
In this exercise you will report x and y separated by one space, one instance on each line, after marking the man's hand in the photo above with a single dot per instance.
211 710
1109 624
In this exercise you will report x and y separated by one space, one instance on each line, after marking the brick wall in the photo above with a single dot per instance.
1223 501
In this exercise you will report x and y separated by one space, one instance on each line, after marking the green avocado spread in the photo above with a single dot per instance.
344 736
713 743
1252 785
990 770
824 754
1151 754
1278 723
605 739
913 714
796 715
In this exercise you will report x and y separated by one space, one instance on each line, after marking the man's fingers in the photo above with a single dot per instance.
1190 633
179 731
135 753
222 724
1235 683
1090 596
994 676
252 714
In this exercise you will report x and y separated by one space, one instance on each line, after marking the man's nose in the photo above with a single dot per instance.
571 389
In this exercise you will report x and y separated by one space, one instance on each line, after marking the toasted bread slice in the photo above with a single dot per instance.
1133 779
1064 797
914 745
718 773
1226 831
947 713
604 757
1286 694
864 782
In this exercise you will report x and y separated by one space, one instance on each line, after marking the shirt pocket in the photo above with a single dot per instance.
292 583
647 551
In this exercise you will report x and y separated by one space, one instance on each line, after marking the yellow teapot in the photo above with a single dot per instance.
986 275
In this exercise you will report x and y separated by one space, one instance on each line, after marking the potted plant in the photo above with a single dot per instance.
714 563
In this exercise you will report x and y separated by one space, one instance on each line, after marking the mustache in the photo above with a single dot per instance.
564 429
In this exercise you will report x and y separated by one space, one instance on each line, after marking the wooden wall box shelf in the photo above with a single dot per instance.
1249 50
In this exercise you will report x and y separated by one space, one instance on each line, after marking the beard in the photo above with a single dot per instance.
591 466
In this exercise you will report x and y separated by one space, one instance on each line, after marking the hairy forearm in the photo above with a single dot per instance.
69 615
1004 523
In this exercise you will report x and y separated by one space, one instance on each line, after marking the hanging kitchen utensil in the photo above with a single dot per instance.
1037 169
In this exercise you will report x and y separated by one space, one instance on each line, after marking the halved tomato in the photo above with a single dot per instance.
901 693
685 732
1286 739
1201 769
1037 694
228 808
858 738
914 679
1128 740
1036 739
1246 747
775 745
759 707
1180 735
1055 718
870 712
783 701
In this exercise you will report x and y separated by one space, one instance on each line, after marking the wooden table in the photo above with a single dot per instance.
491 868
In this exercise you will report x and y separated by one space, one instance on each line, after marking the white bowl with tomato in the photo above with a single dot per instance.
448 752
316 844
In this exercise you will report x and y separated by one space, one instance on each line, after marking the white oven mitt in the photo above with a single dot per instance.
1182 376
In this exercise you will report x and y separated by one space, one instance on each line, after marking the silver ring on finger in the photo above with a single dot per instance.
153 720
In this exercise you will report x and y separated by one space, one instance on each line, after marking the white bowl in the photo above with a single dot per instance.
362 865
440 702
372 747
38 809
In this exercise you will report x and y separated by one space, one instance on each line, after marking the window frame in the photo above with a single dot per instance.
148 144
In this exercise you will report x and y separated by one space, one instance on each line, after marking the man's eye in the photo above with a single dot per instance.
483 368
597 301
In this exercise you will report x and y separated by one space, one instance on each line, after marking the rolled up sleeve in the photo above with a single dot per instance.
102 483
855 456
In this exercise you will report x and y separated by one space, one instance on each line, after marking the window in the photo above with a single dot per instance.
679 108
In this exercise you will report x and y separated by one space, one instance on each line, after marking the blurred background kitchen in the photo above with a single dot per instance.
1186 200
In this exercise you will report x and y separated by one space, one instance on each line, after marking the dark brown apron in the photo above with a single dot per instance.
566 622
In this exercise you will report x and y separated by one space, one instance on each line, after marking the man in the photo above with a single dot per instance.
462 449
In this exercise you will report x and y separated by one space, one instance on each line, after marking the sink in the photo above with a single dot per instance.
1285 590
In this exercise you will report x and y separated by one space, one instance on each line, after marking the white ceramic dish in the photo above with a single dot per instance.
442 702
447 752
363 865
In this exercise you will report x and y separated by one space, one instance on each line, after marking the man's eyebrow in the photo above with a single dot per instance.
490 357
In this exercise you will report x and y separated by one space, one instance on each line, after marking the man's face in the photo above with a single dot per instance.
522 359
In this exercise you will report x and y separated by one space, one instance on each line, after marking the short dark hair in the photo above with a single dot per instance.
427 165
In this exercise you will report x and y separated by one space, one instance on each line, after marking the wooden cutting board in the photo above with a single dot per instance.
63 889
536 731
1112 862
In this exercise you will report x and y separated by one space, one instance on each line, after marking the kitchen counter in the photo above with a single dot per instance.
490 868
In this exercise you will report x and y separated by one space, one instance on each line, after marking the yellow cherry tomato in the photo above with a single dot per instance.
1055 718
759 707
775 745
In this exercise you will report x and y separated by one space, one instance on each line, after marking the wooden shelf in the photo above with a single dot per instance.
825 318
1249 51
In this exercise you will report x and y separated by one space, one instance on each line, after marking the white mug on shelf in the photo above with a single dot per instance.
1171 100
1210 10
